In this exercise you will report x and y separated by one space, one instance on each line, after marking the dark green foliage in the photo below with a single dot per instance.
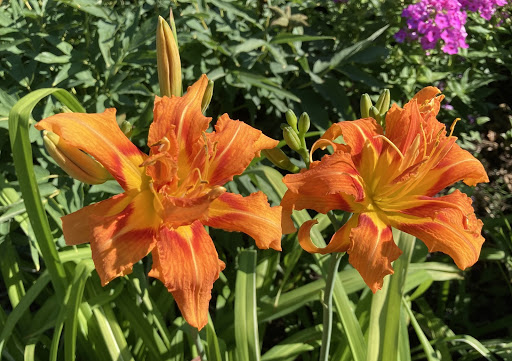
313 56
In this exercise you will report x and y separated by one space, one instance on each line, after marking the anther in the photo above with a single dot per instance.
164 145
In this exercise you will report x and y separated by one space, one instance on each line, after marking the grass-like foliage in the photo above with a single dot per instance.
265 57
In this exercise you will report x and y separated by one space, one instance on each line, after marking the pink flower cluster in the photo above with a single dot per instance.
431 20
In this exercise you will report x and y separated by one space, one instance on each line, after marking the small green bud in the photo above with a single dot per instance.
207 97
304 123
279 159
374 113
291 119
366 104
127 128
291 138
383 102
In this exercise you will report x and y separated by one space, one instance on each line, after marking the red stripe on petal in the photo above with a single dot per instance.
453 229
186 261
100 136
372 250
236 144
251 215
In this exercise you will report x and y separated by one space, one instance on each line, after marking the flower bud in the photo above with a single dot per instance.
127 128
207 97
304 123
374 113
291 119
382 104
279 159
365 105
168 59
291 138
73 161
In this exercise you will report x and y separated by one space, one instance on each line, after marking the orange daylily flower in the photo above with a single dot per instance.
169 195
388 179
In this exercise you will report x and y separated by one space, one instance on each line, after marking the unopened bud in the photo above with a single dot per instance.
382 104
304 123
291 138
73 161
279 159
365 105
207 97
291 119
127 128
168 59
374 113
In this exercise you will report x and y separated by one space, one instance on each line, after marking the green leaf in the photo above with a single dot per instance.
90 7
22 307
19 117
213 350
49 58
386 310
249 45
284 38
472 342
295 345
264 83
246 320
427 347
346 53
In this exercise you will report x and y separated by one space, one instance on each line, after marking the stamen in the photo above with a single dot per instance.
424 140
151 160
156 202
452 127
391 144
164 145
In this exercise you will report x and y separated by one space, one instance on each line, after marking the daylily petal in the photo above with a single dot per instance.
355 134
120 237
186 261
334 174
429 99
453 229
181 115
458 164
100 136
236 144
403 125
340 241
332 183
319 202
77 226
181 211
251 215
372 249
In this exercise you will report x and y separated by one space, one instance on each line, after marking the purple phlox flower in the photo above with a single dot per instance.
442 21
401 35
431 21
447 106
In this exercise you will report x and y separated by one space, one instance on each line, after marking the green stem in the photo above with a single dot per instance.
327 304
199 344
